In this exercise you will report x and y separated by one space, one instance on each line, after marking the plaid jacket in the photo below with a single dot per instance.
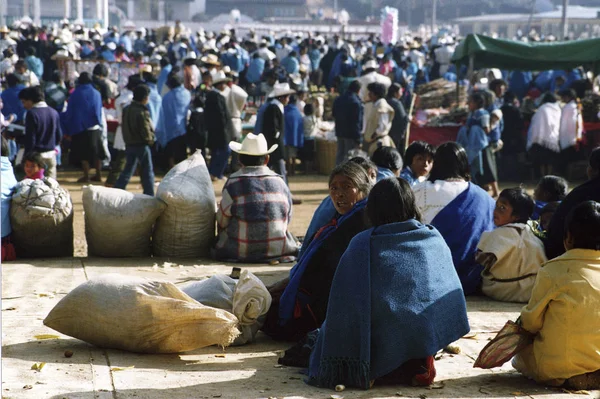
253 217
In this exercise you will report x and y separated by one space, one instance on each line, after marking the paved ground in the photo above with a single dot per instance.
30 288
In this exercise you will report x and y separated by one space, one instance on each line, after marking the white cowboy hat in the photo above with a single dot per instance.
371 64
4 29
255 145
111 46
210 59
219 77
281 89
60 54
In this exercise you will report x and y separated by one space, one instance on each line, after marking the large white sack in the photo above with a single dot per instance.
139 315
41 215
119 223
186 229
248 299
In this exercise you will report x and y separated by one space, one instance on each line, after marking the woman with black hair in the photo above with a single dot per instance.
543 136
459 209
418 162
358 343
400 121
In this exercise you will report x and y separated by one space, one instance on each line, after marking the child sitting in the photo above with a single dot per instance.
388 161
419 161
549 189
511 254
563 309
34 166
546 215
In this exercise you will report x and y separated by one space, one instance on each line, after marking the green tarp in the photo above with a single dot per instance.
513 55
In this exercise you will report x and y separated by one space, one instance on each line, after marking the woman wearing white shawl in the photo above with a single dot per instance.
543 136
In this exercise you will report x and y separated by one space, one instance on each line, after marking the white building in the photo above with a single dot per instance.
583 21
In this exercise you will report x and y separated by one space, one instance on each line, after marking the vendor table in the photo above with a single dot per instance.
434 135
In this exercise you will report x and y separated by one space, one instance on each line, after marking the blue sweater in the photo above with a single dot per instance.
173 119
294 126
348 113
84 110
42 129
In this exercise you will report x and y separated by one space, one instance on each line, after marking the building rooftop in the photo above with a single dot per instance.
573 12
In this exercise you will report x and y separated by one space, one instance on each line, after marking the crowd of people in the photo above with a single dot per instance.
430 220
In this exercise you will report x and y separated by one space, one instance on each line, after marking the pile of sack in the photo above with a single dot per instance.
138 315
41 215
178 222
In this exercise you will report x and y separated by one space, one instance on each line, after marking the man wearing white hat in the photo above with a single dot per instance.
256 208
370 75
218 125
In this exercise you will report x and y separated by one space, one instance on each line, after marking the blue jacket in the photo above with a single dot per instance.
108 55
84 110
255 70
173 119
348 114
8 181
162 77
154 104
294 126
12 104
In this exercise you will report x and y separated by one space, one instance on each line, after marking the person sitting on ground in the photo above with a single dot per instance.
546 215
388 161
34 166
460 210
300 301
418 162
256 208
511 254
358 344
8 182
138 135
563 309
326 210
585 192
549 189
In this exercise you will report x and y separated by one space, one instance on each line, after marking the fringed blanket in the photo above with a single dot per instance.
395 297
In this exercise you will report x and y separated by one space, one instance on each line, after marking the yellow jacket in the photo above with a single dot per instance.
564 310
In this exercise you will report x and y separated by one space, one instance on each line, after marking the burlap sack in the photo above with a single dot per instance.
119 223
134 314
41 215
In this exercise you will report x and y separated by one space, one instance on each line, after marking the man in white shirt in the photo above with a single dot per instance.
370 75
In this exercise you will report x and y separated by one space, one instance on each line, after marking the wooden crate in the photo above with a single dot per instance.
326 152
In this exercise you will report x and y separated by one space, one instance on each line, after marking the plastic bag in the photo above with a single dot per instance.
510 340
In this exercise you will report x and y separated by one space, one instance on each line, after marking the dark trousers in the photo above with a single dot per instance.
135 154
218 161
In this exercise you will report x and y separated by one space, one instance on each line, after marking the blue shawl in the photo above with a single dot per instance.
288 298
162 77
474 140
173 117
154 104
84 110
323 215
461 223
384 173
395 297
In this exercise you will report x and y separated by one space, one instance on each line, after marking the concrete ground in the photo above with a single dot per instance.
30 288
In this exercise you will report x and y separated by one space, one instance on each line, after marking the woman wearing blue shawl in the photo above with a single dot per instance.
460 210
473 136
374 331
300 302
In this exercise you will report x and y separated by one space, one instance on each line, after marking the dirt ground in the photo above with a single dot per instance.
30 288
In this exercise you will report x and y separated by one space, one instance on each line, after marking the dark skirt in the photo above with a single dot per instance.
87 146
177 149
490 169
307 153
540 155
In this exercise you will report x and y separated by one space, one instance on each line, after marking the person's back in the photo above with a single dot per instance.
10 98
84 109
511 254
255 210
563 309
348 114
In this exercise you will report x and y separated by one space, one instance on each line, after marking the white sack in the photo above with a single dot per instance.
186 229
41 215
138 315
248 299
119 223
